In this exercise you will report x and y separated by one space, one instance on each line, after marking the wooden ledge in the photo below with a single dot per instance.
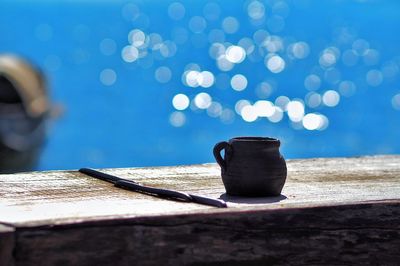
344 208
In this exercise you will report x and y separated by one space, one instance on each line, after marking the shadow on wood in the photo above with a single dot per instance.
254 200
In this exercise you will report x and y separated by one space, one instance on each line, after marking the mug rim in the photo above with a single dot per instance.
254 139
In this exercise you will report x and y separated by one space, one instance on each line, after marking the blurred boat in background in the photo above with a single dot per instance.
23 111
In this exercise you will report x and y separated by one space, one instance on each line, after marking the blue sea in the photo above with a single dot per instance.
151 83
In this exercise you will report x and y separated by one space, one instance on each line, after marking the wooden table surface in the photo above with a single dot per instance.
49 201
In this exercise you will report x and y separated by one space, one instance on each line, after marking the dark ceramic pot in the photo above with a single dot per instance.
252 166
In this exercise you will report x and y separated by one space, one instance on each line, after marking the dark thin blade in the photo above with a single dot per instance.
209 201
162 193
100 175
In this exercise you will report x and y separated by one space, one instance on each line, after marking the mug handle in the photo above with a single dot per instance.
217 153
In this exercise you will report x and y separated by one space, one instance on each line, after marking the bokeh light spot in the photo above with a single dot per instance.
312 82
275 64
197 24
129 54
176 11
202 100
331 98
177 119
211 11
249 113
374 78
313 100
108 46
180 102
277 115
396 101
256 10
230 25
239 82
163 74
214 110
235 54
312 121
136 37
347 88
108 77
240 105
295 110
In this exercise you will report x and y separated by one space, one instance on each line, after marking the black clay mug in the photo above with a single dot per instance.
252 166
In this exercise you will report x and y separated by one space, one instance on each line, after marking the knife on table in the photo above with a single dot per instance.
162 193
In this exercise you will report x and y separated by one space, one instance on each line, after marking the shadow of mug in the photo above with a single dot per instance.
252 200
251 167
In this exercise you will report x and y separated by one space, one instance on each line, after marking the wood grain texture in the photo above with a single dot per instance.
6 245
59 197
335 211
367 234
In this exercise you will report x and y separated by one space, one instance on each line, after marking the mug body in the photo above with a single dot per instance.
254 167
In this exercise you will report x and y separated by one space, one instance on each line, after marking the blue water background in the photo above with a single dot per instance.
128 123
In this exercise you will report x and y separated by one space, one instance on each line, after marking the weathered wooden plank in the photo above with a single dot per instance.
6 245
335 211
366 234
57 197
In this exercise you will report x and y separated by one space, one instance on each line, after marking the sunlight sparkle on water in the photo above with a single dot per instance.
216 35
129 54
331 98
396 101
207 79
235 54
227 116
224 64
249 113
277 115
240 105
176 11
371 57
275 64
108 46
299 50
264 90
193 78
295 110
328 58
264 108
313 121
136 37
197 24
230 25
239 82
347 88
350 57
260 36
282 102
108 77
256 10
177 119
313 100
247 44
202 100
312 82
215 109
180 102
211 11
360 46
163 74
374 78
